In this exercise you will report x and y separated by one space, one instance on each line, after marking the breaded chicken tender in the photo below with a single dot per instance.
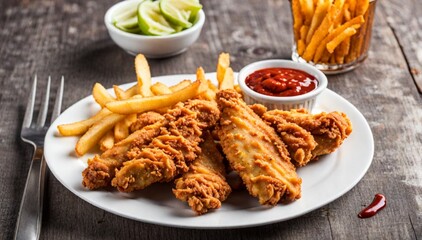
101 168
204 186
256 152
328 129
299 142
169 153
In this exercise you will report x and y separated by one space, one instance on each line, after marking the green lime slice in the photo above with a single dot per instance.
126 12
129 23
135 30
151 21
180 12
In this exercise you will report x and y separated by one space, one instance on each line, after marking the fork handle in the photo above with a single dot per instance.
28 225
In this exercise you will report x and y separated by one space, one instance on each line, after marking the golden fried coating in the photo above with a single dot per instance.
328 129
101 169
299 142
169 153
256 152
145 119
204 185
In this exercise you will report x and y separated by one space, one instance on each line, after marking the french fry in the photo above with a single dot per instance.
238 89
325 56
307 7
78 128
101 95
180 85
333 59
300 46
211 86
121 129
355 22
320 34
304 32
160 89
297 18
138 105
352 8
358 40
339 4
361 7
222 64
208 95
346 14
320 12
107 141
340 38
200 74
96 132
143 75
342 51
122 94
228 80
339 19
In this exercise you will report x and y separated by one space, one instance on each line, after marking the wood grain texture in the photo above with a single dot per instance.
406 23
56 38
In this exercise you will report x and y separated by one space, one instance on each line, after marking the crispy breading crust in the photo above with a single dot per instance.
204 186
169 153
328 129
145 119
101 169
300 143
256 152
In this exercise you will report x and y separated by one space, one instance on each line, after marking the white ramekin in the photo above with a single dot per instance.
306 100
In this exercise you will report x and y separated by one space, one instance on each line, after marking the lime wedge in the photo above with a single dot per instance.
129 23
151 21
126 12
180 11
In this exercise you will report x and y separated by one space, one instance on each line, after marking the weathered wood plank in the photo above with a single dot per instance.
406 22
391 104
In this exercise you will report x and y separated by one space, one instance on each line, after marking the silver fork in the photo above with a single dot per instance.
28 225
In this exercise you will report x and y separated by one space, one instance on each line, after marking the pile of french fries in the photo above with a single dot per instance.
332 31
112 123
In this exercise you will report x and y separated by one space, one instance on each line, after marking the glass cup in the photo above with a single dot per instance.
334 41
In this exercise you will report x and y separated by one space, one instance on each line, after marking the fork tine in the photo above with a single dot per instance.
30 105
42 116
58 101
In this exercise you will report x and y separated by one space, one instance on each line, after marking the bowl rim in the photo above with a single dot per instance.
283 63
109 13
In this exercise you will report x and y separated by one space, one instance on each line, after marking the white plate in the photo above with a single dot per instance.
323 181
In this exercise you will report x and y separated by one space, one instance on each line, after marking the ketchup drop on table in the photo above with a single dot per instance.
377 204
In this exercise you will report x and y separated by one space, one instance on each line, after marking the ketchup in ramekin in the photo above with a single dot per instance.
282 82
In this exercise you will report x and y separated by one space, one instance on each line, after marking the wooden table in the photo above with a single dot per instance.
69 38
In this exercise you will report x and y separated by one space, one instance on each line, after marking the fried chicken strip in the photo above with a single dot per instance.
144 120
101 169
169 153
204 186
256 152
328 129
299 142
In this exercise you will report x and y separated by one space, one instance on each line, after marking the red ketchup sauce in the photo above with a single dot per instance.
377 204
282 82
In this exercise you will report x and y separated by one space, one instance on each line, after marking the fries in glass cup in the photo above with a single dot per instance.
332 35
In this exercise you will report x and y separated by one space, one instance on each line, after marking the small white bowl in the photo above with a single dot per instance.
306 100
152 46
